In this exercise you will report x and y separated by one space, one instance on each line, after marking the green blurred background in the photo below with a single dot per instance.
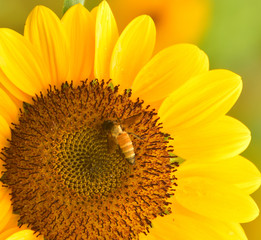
233 41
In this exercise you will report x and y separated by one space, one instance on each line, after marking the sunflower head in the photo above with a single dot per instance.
60 140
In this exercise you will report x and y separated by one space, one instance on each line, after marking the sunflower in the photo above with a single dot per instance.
65 172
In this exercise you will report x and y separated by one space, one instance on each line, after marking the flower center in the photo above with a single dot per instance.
71 177
85 164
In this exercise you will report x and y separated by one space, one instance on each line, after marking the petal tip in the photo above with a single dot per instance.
104 8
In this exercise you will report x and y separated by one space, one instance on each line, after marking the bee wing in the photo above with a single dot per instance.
131 120
112 143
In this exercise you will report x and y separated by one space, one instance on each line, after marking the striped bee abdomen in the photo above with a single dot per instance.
126 146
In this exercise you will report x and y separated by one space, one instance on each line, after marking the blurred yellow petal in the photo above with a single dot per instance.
168 70
200 100
237 170
43 28
21 63
24 235
132 50
214 199
176 21
8 109
224 138
5 132
79 27
106 35
186 21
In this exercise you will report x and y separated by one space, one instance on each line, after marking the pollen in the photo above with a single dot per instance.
65 182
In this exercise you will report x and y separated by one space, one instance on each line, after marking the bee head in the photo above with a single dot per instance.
108 125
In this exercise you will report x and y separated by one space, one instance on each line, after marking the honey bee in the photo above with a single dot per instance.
118 137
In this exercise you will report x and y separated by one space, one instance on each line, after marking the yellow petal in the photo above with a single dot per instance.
200 100
168 70
6 217
43 28
194 224
18 102
94 14
106 35
163 228
10 221
5 132
24 235
150 236
12 89
187 225
4 235
132 50
79 28
8 109
237 170
5 204
214 199
21 63
224 138
205 229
